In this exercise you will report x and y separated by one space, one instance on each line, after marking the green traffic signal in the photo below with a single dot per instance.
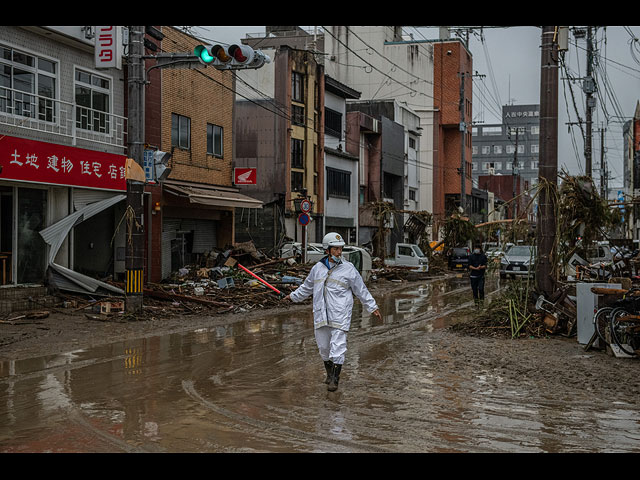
203 54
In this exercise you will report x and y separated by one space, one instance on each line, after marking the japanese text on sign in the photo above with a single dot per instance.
108 47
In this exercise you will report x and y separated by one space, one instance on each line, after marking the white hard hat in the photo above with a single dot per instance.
332 239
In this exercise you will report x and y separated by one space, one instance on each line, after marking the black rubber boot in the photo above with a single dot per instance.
328 366
335 377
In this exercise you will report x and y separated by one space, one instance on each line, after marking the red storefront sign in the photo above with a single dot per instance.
245 176
39 162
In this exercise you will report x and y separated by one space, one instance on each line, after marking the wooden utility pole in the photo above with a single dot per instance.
548 160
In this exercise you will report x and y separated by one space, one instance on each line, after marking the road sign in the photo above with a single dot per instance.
304 219
305 206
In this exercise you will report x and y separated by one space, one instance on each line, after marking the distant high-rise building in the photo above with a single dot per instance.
510 147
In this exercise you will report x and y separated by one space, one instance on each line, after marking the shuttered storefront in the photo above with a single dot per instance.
183 239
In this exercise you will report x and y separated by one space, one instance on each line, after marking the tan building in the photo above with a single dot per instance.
279 130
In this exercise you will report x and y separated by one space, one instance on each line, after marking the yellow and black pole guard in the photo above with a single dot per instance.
135 281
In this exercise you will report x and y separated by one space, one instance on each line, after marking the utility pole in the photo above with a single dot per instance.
548 160
134 250
463 130
603 167
589 89
514 171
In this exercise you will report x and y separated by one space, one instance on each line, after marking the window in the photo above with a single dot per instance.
333 122
297 153
412 143
297 94
534 148
474 150
497 149
534 165
180 131
486 150
27 85
93 100
492 130
214 140
297 180
412 194
338 183
297 115
510 149
535 130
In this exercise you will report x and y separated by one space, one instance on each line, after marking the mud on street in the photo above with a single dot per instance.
252 382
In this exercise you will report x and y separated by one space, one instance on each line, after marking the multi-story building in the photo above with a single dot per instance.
452 92
509 148
342 170
279 131
395 68
189 113
398 167
62 155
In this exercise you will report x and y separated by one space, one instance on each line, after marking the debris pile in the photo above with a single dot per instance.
219 283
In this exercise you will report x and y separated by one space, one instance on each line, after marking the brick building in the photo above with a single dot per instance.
189 113
452 64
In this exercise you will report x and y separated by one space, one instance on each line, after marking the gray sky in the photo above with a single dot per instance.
509 58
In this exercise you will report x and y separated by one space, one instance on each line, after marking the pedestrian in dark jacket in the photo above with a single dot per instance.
477 268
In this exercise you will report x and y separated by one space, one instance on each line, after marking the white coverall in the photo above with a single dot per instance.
333 291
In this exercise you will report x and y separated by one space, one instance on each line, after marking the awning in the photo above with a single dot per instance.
213 196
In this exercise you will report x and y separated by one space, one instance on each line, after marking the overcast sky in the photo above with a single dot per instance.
509 57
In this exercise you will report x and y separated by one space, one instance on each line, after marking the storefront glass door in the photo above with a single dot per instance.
31 248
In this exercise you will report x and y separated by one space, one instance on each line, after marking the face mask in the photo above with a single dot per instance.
336 259
477 250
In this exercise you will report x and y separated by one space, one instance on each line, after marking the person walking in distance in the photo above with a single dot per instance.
477 268
333 281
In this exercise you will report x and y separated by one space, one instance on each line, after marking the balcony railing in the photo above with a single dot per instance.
44 114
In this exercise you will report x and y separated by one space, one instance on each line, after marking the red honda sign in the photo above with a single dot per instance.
40 162
245 176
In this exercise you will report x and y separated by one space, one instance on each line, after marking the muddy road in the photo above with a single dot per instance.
256 385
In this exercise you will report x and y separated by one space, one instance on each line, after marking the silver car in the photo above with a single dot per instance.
518 260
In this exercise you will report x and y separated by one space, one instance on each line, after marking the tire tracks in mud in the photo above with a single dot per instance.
292 435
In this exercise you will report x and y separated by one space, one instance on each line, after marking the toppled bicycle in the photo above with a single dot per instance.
617 325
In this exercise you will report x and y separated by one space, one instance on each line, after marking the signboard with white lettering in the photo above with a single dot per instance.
108 53
39 162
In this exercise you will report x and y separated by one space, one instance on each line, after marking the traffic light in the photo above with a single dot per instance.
230 57
161 169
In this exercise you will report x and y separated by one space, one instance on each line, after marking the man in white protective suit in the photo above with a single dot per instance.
333 281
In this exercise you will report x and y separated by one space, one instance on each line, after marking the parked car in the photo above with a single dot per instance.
459 258
356 255
519 260
409 255
494 252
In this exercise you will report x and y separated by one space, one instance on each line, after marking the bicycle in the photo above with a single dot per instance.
623 326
